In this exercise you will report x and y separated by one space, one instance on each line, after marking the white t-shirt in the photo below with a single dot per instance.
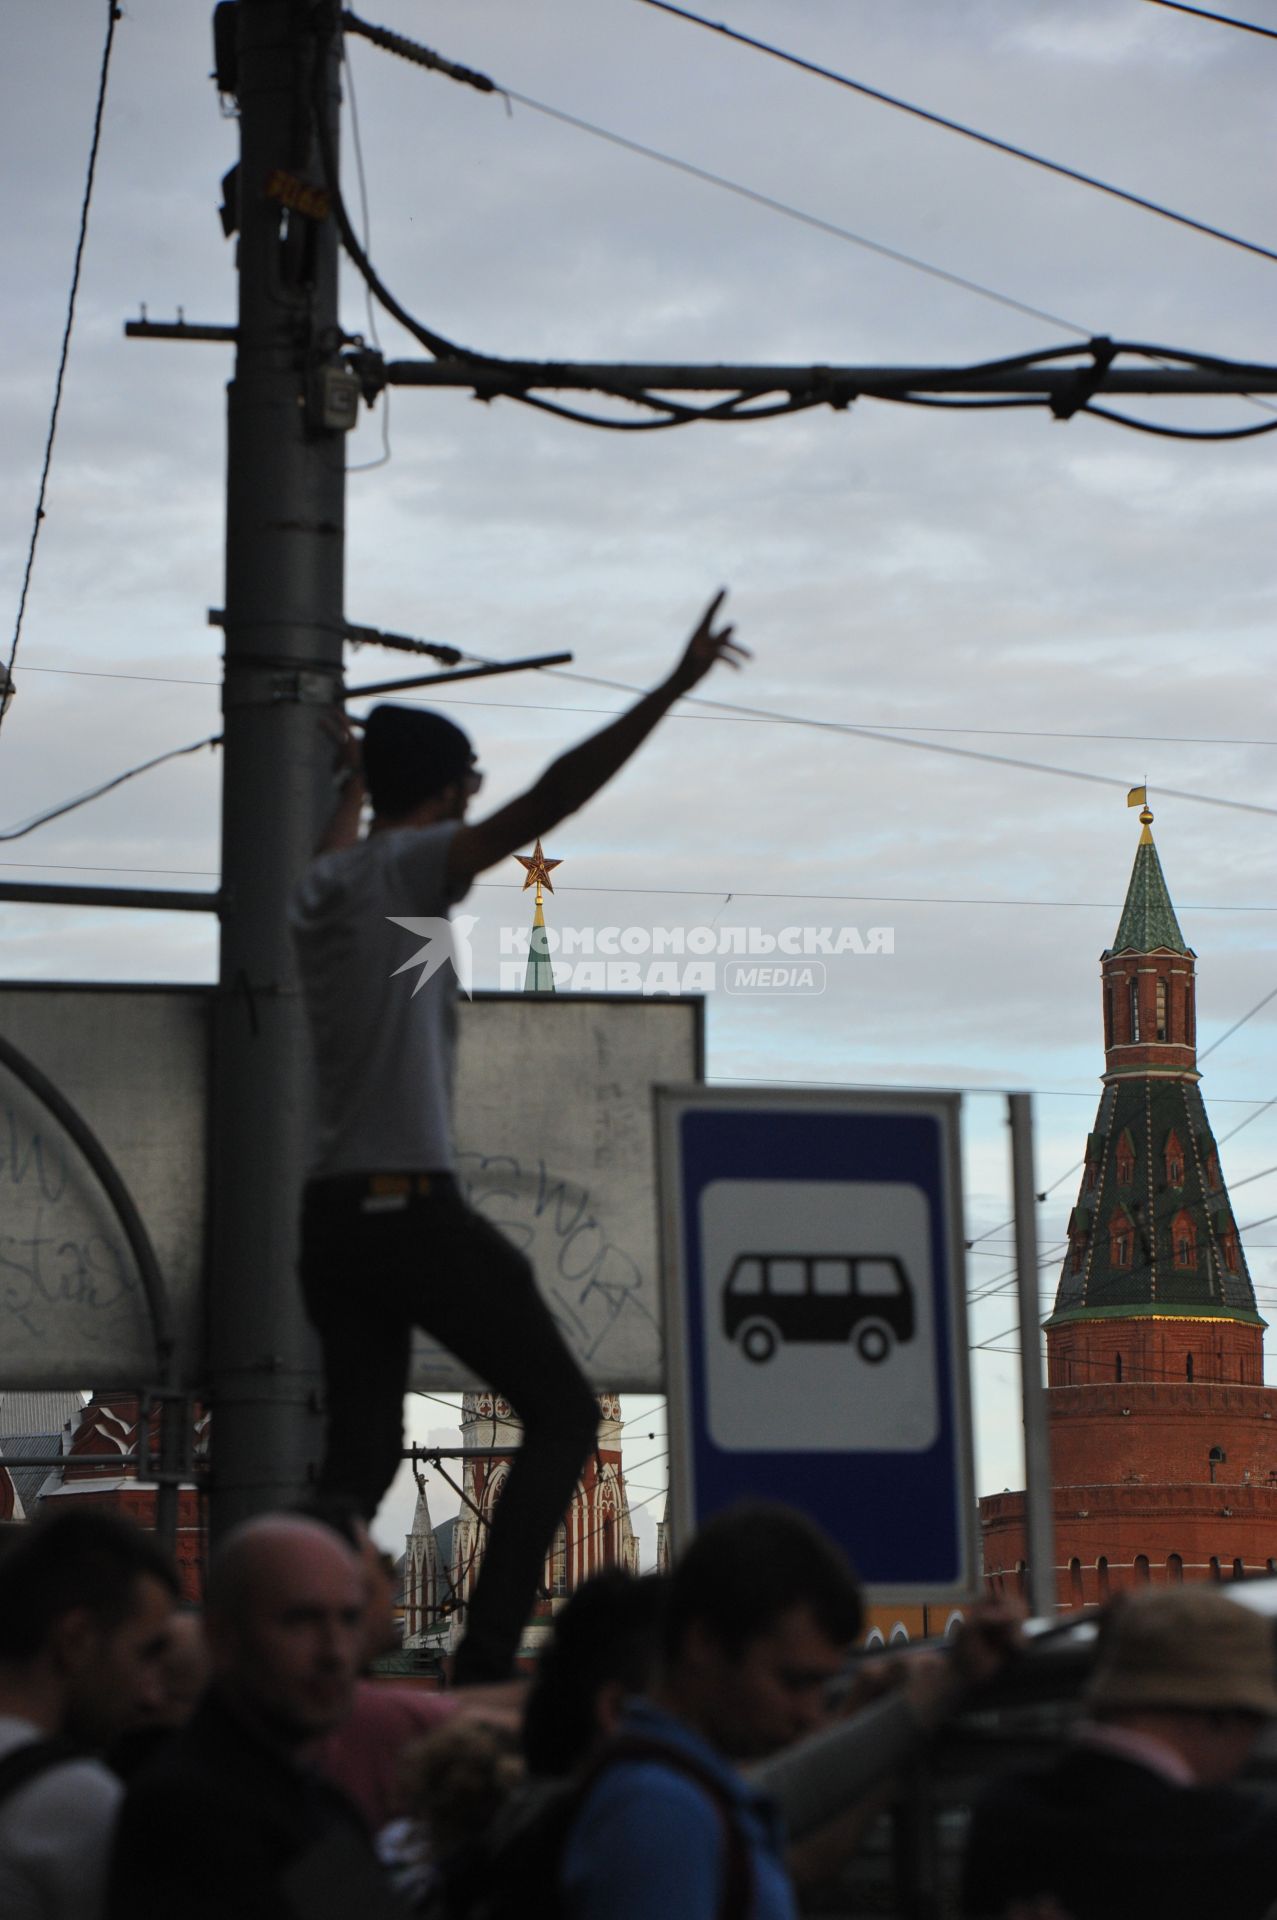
55 1835
383 1028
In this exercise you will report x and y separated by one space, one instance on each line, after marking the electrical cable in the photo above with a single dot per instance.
790 212
1228 1034
383 459
670 413
114 13
107 786
930 746
956 126
1176 433
1223 19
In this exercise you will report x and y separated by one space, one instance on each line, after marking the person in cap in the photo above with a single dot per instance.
1141 1813
388 1241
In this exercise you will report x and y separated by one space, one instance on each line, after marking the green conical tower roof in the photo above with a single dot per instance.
1153 1233
1148 919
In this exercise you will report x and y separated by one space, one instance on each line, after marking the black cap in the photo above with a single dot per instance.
411 754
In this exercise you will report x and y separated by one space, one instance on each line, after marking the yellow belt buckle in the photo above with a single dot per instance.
386 1185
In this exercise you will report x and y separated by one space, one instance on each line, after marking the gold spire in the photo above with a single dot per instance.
539 870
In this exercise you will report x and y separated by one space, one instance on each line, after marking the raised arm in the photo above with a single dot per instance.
577 775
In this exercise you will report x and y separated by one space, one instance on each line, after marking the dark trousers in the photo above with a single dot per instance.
371 1272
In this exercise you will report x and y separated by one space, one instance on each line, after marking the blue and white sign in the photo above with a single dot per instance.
815 1321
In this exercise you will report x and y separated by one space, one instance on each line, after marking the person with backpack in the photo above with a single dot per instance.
85 1604
760 1616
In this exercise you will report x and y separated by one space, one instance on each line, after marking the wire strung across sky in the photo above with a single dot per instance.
494 377
112 15
1223 19
956 126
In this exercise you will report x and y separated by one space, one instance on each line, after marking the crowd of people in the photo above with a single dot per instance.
686 1745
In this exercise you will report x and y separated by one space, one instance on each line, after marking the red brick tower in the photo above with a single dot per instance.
1163 1435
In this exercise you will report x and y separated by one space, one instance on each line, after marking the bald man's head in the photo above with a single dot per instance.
285 1602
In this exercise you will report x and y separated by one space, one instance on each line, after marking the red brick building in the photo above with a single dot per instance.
1163 1435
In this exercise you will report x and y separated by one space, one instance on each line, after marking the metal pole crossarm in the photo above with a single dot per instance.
375 637
178 330
833 386
466 673
154 899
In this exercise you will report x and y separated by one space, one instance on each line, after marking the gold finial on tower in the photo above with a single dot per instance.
1138 797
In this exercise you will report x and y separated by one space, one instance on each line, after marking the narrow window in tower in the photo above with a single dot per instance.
1125 1159
1214 1566
1230 1249
1174 1160
1141 1568
1190 1014
1188 1368
1184 1240
1108 1013
1120 1240
1134 996
1078 1246
1102 1576
1174 1570
1117 1375
1239 1569
1092 1173
1161 1025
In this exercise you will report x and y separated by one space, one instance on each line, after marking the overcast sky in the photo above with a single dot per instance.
1072 594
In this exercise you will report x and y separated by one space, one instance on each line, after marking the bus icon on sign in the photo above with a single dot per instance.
769 1298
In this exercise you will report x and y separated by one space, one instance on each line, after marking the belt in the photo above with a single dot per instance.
380 1192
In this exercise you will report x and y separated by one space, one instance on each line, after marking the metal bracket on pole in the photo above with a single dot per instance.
1038 1493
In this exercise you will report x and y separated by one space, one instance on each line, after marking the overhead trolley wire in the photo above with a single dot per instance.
1223 19
496 377
113 13
934 746
957 126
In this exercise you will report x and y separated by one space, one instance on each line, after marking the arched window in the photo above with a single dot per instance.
1141 1569
1075 1581
1230 1249
1239 1570
1214 1566
1184 1240
900 1635
874 1639
1102 1576
1021 1578
1161 1025
1174 1160
1190 1014
1125 1159
1133 1002
1174 1570
1121 1239
1212 1171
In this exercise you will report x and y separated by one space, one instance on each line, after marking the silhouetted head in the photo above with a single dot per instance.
410 755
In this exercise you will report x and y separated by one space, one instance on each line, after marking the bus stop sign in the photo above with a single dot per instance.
815 1321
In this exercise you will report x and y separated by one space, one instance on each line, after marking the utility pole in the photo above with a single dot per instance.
285 506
